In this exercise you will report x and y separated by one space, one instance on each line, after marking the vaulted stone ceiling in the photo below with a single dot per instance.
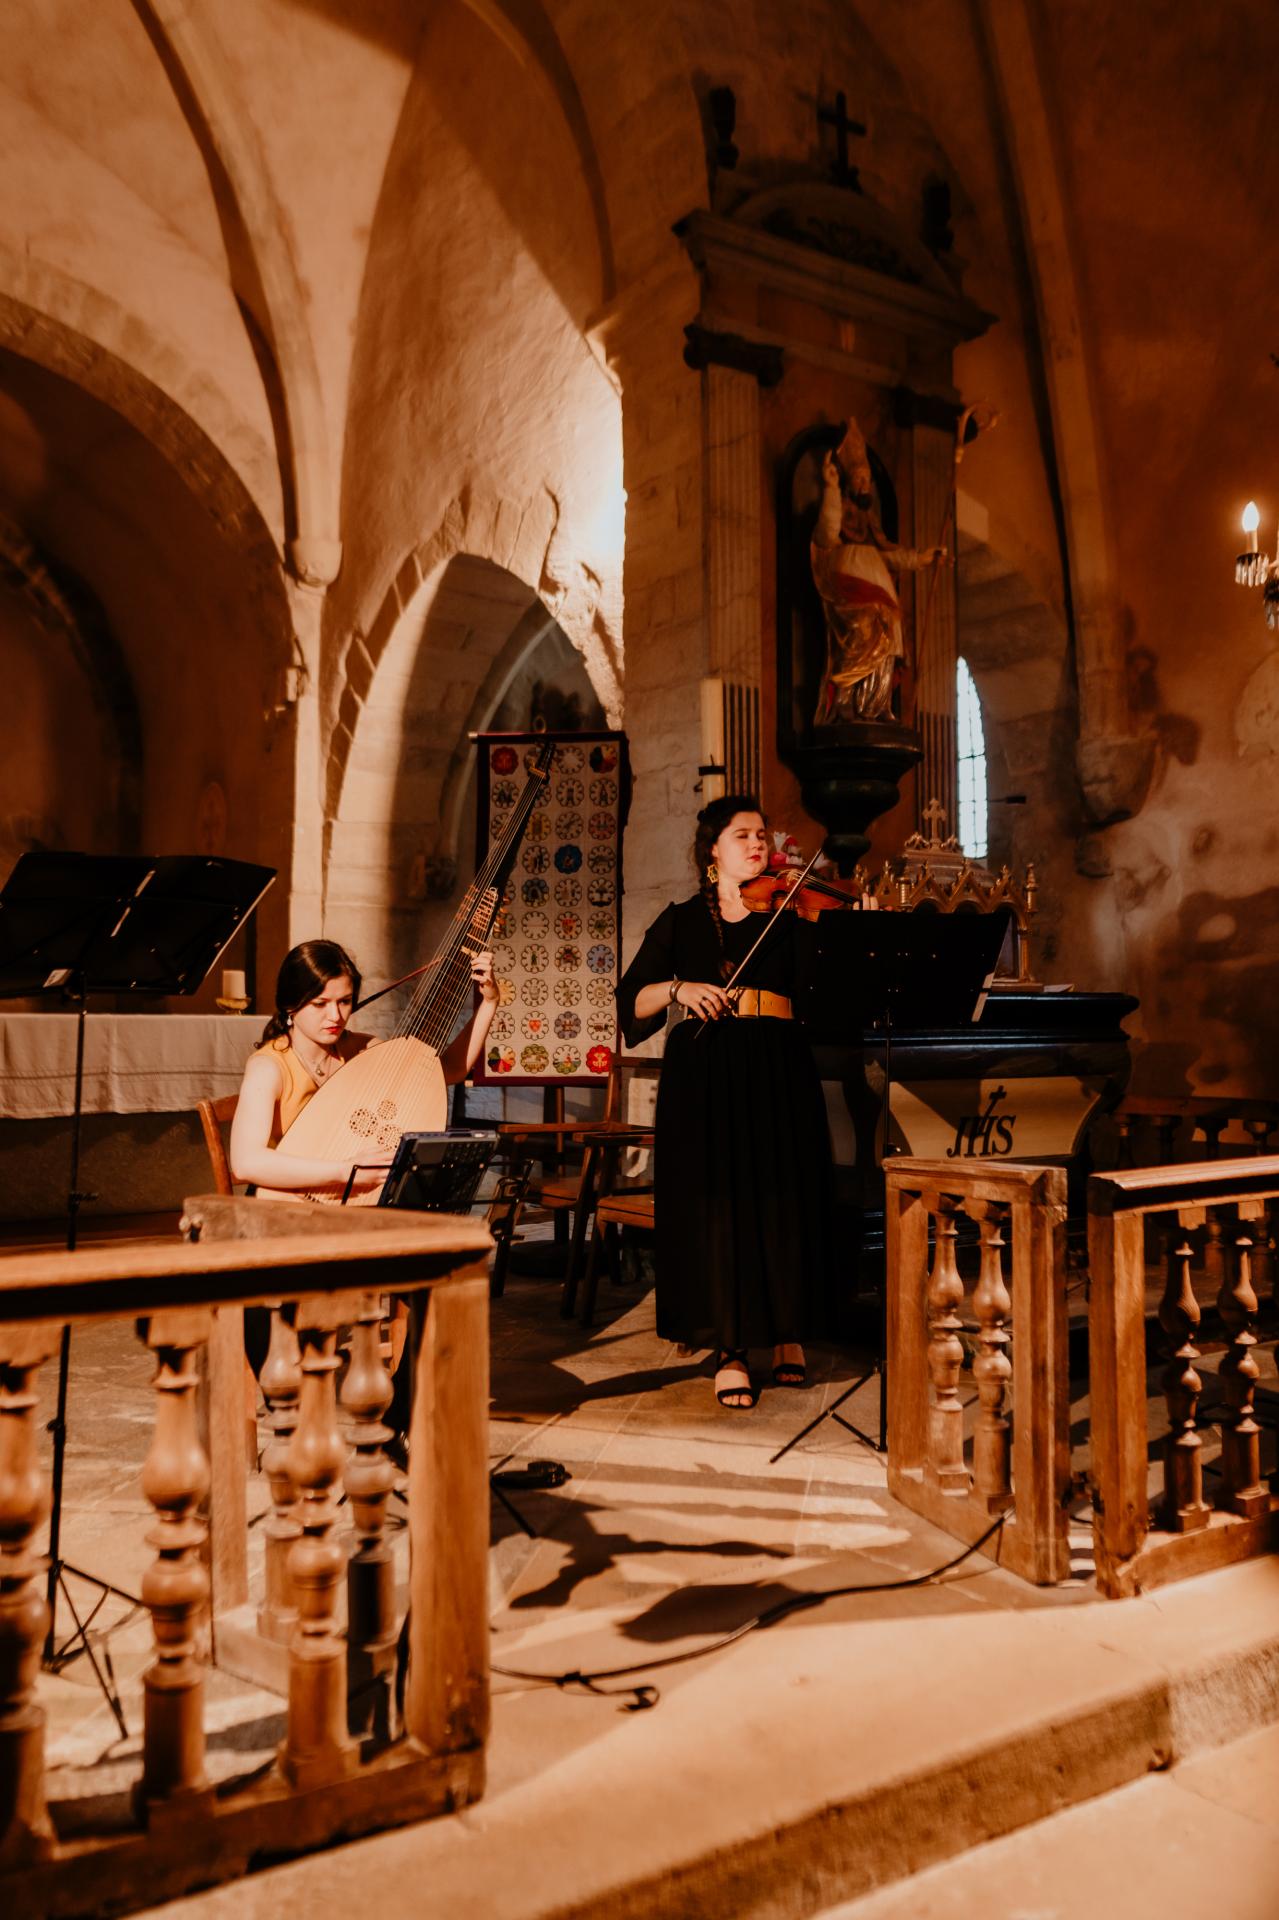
377 283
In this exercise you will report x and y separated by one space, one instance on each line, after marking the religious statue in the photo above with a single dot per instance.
851 557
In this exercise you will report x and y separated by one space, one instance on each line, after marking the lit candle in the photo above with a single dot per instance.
1251 521
232 984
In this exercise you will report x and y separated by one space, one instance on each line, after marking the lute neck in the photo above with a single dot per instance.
445 986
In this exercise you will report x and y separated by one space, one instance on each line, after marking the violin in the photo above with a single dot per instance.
789 887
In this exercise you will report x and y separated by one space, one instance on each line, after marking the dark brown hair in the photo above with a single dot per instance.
711 822
304 974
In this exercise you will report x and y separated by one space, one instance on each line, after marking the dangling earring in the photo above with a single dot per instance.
288 1019
712 873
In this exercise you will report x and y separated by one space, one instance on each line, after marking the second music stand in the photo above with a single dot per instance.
897 973
77 924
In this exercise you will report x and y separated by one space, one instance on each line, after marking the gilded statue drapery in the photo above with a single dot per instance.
851 561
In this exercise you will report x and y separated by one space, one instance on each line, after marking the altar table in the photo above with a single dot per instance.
144 1074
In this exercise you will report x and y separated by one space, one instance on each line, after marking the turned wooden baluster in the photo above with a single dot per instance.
1184 1508
1215 1265
370 1477
317 1748
945 1467
1211 1126
26 1833
1265 1272
992 1369
1241 1489
175 1479
281 1383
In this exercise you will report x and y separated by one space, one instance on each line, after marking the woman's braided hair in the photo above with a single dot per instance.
304 974
711 822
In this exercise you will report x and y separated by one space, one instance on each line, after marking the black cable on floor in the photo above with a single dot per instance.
646 1696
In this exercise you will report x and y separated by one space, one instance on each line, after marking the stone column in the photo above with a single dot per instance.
732 429
664 583
936 644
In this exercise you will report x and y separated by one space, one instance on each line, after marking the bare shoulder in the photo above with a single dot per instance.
264 1068
264 1078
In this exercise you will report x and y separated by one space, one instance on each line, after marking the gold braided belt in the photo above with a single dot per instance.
757 1003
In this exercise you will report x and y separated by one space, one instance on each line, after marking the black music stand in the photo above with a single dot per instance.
82 923
897 973
438 1172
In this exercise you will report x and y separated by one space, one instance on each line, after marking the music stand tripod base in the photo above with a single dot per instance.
914 972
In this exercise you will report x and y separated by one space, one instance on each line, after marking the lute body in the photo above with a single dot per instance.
397 1087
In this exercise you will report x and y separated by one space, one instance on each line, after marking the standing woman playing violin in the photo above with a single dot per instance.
743 1172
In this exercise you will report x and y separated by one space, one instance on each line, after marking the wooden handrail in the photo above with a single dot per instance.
1156 1189
321 1269
1195 1106
983 1180
394 1253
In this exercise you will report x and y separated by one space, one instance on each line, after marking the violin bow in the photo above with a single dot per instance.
763 934
369 998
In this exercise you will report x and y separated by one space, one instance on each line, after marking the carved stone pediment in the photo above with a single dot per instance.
845 226
836 249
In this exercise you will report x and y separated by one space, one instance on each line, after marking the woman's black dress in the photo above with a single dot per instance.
743 1172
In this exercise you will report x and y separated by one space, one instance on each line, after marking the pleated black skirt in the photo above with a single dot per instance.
742 1187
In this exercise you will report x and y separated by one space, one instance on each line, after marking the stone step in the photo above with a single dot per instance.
1201 1838
840 1752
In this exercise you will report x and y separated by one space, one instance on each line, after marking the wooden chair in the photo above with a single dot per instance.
613 1206
503 1217
631 1206
214 1115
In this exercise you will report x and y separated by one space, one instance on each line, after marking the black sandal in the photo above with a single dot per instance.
734 1399
790 1373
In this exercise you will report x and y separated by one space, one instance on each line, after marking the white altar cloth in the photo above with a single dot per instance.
133 1062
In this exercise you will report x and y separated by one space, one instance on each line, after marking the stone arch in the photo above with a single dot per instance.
259 248
518 538
644 122
66 608
81 334
398 821
527 32
188 488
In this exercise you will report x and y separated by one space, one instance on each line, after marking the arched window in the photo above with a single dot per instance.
971 767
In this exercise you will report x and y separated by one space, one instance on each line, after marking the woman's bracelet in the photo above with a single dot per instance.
675 987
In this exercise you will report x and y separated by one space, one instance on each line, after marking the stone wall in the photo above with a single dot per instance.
317 320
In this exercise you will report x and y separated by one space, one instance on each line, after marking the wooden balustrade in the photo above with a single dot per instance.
1020 1461
1157 1129
1228 1204
322 1273
1160 1130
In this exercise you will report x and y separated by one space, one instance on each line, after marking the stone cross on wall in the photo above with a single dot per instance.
843 172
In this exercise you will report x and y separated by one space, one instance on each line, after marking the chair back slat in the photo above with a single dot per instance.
214 1115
